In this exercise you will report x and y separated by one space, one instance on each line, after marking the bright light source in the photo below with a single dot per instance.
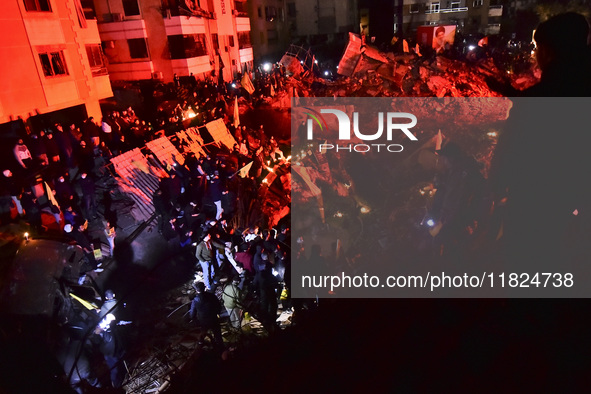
492 134
106 322
471 47
316 61
338 215
364 210
275 272
301 62
337 67
191 115
27 236
267 67
326 73
234 85
430 223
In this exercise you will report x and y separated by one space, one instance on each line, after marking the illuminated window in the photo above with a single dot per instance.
435 8
271 13
137 48
38 5
53 63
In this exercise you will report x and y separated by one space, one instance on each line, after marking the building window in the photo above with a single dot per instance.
414 8
434 8
244 40
53 63
477 3
291 10
137 48
260 12
131 8
37 5
88 8
271 13
241 9
231 41
96 59
187 46
455 5
215 41
272 37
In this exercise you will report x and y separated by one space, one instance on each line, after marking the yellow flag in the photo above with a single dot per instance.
247 83
50 196
87 305
243 173
236 113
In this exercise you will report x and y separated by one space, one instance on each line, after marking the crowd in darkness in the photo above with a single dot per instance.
210 206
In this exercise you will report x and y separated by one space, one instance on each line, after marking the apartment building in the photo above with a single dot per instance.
52 66
156 39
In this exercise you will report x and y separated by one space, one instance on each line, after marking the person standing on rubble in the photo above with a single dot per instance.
205 308
205 254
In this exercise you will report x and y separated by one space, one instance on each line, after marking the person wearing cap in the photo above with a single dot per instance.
205 308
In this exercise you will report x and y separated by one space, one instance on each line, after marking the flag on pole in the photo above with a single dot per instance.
86 304
247 83
243 173
438 141
50 196
236 113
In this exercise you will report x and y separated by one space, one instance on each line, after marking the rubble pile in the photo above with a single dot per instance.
412 76
408 75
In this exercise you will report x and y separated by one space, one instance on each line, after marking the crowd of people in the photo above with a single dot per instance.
210 206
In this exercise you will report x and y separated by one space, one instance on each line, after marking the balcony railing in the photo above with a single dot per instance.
446 10
495 10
